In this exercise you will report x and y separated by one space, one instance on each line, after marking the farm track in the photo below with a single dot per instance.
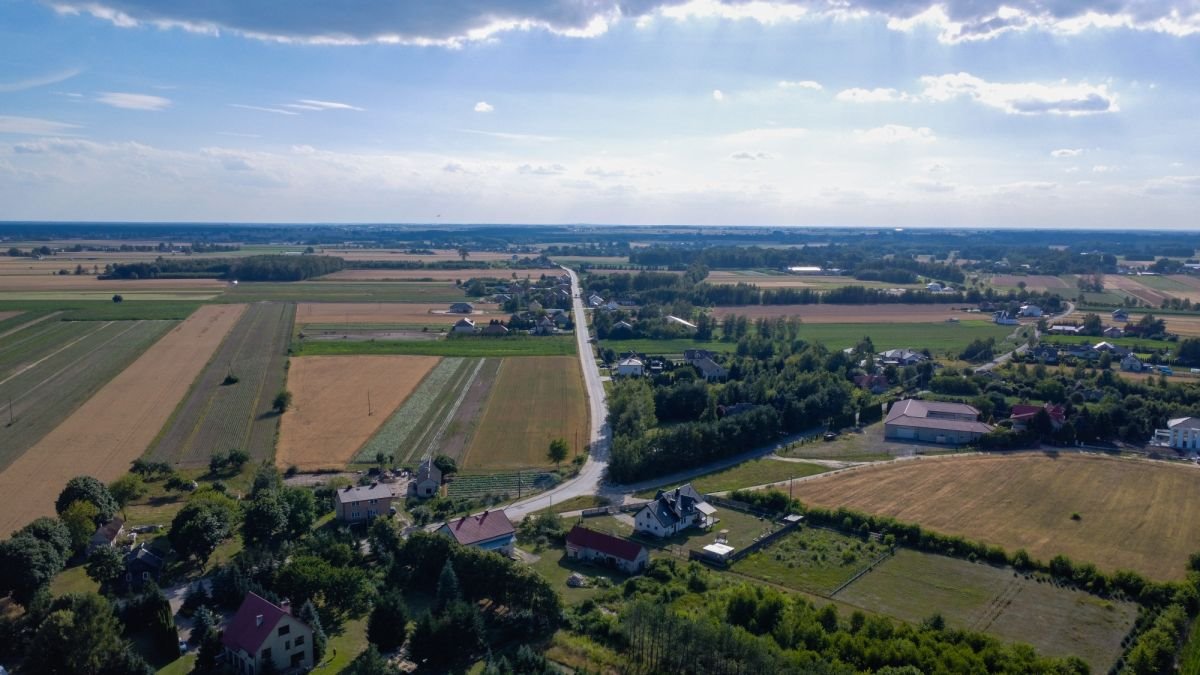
455 437
217 417
436 418
40 395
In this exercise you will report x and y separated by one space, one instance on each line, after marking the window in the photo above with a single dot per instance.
299 640
266 654
287 645
284 630
145 576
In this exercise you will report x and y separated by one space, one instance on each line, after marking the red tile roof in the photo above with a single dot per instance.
245 632
1024 411
474 529
607 544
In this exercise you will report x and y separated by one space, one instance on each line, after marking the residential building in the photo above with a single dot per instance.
1114 332
544 327
141 566
934 422
1022 414
595 301
356 503
711 370
1132 364
1030 310
673 511
933 287
462 308
428 480
463 325
902 357
631 367
876 384
262 632
1004 319
107 535
691 356
490 531
1044 354
495 328
1182 433
672 319
621 326
1120 315
1062 329
605 549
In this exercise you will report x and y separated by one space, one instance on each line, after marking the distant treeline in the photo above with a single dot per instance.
251 268
854 260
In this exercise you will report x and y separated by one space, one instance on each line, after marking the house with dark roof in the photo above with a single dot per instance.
673 511
356 503
463 325
876 384
933 422
141 566
711 370
428 480
107 535
462 308
605 549
262 633
490 531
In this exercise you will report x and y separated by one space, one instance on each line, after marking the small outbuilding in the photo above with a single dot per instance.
605 549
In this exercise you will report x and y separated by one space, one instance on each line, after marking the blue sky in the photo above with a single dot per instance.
1064 113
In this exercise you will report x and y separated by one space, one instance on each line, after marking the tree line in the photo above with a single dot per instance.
250 268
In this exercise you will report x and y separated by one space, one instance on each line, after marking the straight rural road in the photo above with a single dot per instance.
592 472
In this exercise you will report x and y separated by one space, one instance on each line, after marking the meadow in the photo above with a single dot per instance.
747 474
350 313
1027 501
344 291
889 313
470 347
775 279
811 559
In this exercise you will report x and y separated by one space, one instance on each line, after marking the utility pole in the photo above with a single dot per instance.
10 412
518 483
369 413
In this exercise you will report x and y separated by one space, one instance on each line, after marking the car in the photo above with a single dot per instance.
830 435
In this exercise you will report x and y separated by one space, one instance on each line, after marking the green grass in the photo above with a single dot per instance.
747 474
181 666
743 529
344 291
555 567
558 345
576 504
420 415
811 560
937 337
73 580
106 310
665 347
344 647
1189 657
20 319
1136 344
1164 283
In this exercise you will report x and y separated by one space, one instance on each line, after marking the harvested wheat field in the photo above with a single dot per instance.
383 312
1033 282
115 425
897 313
328 421
431 275
1184 325
1134 514
1135 288
439 255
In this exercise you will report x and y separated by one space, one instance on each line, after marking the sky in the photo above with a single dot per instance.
907 113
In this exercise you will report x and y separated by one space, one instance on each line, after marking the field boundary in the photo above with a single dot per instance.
466 387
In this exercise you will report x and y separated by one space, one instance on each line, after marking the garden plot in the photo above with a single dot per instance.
811 559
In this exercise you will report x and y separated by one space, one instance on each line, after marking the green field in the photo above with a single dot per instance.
1136 344
412 428
748 474
743 530
811 560
666 347
1058 622
556 345
106 310
555 567
343 291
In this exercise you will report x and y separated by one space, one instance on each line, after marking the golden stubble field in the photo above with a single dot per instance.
387 312
1134 514
116 424
888 313
434 274
329 421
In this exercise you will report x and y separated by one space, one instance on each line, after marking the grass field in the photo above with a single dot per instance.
1034 282
533 402
478 346
775 279
425 275
1026 501
358 313
117 423
554 566
747 474
883 313
102 310
666 347
49 369
216 417
811 560
1056 621
344 291
330 419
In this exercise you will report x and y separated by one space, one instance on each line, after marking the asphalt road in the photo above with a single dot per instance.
1006 357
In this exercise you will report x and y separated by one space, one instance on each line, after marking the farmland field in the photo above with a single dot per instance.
476 346
667 347
438 255
1134 287
344 291
117 423
433 274
1026 501
408 432
10 283
747 474
811 559
499 484
102 310
884 313
217 417
329 420
385 313
1033 282
533 402
1056 621
49 369
1185 325
780 280
5 316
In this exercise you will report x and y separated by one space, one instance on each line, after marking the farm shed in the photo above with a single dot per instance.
934 422
605 549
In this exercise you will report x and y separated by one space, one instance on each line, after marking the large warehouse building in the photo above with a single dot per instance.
933 422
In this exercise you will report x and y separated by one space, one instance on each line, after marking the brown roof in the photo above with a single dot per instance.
475 529
914 413
246 631
604 543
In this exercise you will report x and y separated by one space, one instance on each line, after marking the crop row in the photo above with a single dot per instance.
499 484
401 433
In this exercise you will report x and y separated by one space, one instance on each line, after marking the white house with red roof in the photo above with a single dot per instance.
262 632
490 531
605 549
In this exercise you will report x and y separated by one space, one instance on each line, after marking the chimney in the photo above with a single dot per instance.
676 494
286 606
258 620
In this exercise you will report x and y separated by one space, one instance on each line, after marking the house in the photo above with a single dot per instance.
1120 315
605 549
902 357
356 503
1044 354
428 480
876 384
711 370
1084 352
495 327
562 320
934 422
462 308
595 301
631 366
621 326
611 306
1030 310
934 287
142 565
1114 332
463 326
107 535
1004 319
1060 329
673 511
1115 350
1132 364
544 327
1182 433
691 356
1022 414
490 531
672 319
535 306
263 633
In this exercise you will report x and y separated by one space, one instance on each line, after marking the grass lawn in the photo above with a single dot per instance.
747 474
554 566
73 580
556 345
665 347
743 529
181 666
344 647
576 504
939 338
811 560
1058 622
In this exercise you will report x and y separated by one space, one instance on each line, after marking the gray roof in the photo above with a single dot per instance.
361 493
428 471
1184 423
914 413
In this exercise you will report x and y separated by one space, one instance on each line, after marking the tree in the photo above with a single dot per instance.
463 253
388 625
82 635
265 520
127 489
208 657
27 564
118 299
445 464
202 524
308 614
236 458
80 518
447 587
105 565
370 662
558 451
283 401
88 489
50 530
301 510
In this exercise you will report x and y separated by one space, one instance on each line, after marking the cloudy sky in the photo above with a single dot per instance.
1067 113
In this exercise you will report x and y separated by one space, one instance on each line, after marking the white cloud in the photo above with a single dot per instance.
542 169
932 185
128 101
750 156
718 95
764 135
871 96
328 105
510 136
1104 168
258 108
1173 184
1066 152
40 81
484 107
800 84
1022 98
33 126
895 133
